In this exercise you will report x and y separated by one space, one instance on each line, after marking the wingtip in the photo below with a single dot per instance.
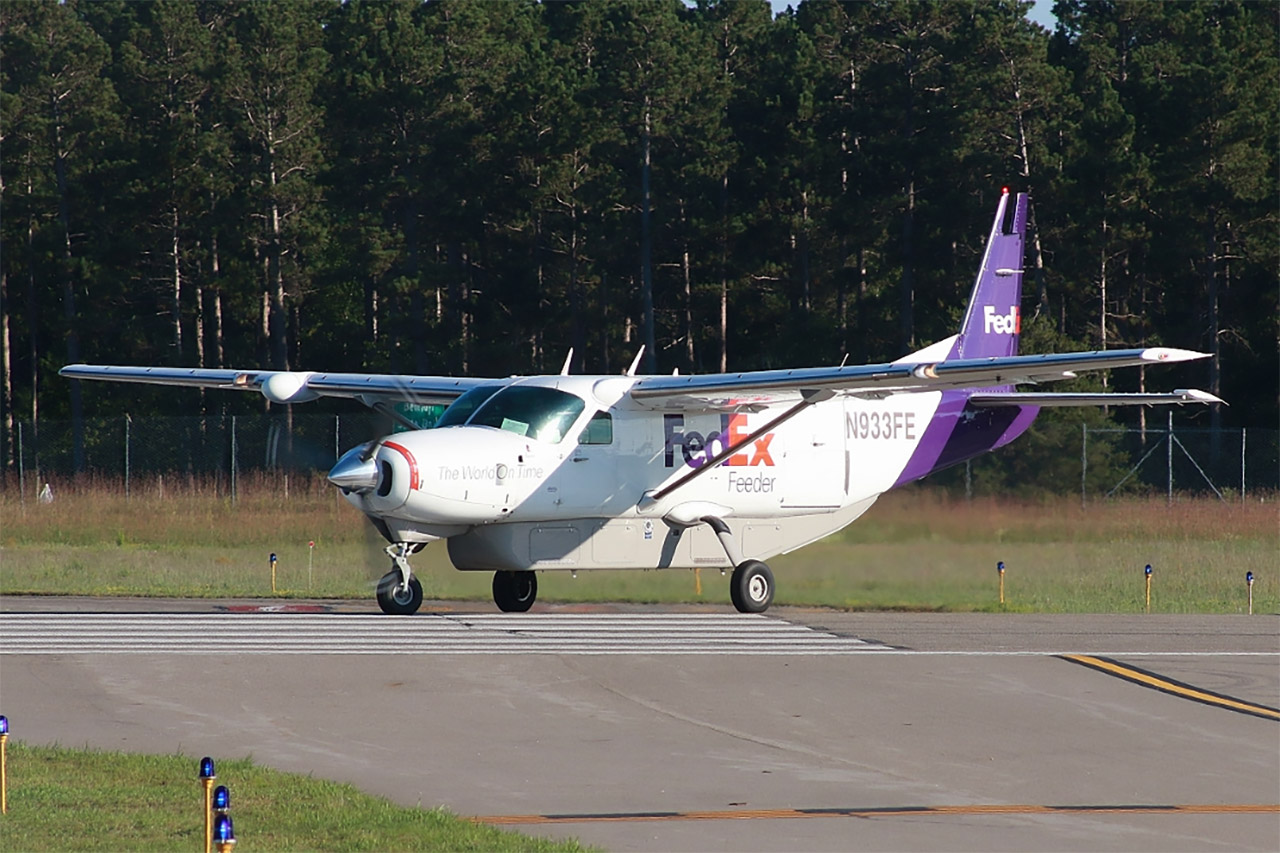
1195 395
1169 354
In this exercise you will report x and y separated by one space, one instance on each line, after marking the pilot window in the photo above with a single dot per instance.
541 413
461 408
599 430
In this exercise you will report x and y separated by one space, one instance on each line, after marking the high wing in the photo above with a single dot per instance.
1178 397
743 391
279 386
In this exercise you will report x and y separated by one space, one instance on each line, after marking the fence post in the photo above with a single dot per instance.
233 458
1243 430
1084 459
126 456
22 471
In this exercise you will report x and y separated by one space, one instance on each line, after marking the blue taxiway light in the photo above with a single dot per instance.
221 798
206 768
222 830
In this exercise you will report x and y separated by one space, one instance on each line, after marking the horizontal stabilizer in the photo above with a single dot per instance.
1014 398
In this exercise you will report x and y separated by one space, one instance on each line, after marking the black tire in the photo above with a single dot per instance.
395 600
751 587
515 592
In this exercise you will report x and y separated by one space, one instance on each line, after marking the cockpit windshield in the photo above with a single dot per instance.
541 413
462 408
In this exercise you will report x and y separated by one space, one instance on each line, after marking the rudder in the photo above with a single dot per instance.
994 318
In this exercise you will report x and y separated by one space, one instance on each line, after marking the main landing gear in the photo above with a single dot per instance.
514 592
751 587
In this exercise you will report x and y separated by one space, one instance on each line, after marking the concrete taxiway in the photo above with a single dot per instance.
878 732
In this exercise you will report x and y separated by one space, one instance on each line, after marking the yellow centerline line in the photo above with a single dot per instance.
904 811
1150 680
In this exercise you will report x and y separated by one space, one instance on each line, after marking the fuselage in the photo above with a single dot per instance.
554 472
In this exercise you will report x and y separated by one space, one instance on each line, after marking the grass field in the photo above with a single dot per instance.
67 799
915 550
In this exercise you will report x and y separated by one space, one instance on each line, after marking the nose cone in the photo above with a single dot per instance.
354 474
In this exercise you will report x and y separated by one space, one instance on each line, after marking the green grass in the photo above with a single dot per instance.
914 550
67 799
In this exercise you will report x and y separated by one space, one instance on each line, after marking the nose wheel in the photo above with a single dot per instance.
396 598
399 592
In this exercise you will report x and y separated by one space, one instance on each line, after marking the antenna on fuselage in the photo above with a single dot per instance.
564 371
635 363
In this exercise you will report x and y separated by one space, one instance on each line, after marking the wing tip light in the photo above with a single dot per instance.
1195 395
1169 354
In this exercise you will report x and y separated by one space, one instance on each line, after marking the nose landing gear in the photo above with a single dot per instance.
399 592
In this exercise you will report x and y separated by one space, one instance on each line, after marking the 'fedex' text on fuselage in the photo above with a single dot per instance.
697 448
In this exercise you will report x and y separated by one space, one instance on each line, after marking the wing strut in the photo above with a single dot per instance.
809 398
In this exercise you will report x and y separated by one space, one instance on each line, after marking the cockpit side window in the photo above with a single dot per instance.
463 407
541 413
599 430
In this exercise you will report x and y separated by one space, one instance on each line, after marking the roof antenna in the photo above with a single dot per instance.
564 371
635 363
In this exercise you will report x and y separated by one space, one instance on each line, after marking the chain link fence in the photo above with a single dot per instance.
214 451
217 451
1229 463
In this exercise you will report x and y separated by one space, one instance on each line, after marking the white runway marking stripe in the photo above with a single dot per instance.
278 633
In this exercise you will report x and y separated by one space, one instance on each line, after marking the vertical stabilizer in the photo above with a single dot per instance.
994 319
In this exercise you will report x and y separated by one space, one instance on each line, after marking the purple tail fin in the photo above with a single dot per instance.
994 319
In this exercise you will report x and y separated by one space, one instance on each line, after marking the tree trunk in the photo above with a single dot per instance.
1102 284
646 249
724 273
277 319
906 284
1215 335
69 292
175 301
686 321
33 314
6 365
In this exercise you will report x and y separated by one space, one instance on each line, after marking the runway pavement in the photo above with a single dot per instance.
645 728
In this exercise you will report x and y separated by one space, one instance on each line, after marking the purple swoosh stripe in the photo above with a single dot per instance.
954 434
1026 414
935 438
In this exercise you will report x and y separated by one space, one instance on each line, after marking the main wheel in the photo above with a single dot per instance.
393 598
751 587
514 592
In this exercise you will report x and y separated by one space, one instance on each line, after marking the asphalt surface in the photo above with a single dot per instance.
940 732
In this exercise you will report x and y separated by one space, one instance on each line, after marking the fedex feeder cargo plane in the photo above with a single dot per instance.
541 473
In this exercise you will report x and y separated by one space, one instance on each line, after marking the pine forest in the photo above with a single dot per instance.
475 188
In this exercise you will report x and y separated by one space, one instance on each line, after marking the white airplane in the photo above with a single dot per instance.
541 473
